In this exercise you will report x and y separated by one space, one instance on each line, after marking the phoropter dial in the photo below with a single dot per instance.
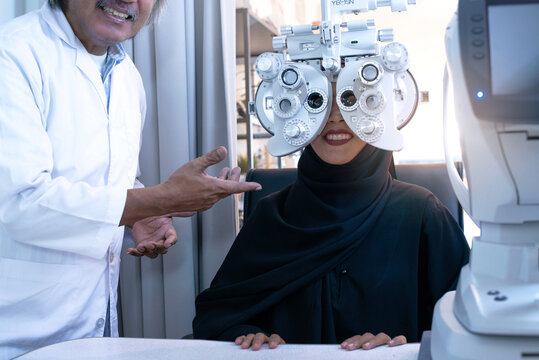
286 105
290 77
296 132
346 99
395 56
370 73
372 102
316 101
268 65
369 128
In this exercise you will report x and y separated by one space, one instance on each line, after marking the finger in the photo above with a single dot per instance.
211 158
355 342
159 247
274 341
379 339
397 340
223 174
239 340
234 187
182 214
247 341
150 252
258 340
134 252
235 174
171 238
144 248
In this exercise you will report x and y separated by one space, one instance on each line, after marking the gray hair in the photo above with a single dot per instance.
158 8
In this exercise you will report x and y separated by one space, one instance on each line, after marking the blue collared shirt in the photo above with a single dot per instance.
115 55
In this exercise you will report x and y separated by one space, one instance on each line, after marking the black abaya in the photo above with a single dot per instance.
342 251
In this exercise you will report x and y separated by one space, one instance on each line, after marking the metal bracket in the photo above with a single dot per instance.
251 108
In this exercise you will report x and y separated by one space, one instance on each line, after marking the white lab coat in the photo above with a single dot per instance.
65 167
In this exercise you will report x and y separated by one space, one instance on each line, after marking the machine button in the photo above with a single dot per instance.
478 30
478 55
99 323
477 17
493 292
500 298
478 43
344 271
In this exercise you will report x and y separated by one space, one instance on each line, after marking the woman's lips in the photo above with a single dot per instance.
337 137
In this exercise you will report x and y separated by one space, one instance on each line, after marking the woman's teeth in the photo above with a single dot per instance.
115 13
335 137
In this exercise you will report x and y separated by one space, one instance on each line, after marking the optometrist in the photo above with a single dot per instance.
72 107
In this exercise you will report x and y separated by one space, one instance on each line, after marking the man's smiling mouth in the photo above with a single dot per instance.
127 14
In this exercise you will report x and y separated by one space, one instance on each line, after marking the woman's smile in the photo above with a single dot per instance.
337 137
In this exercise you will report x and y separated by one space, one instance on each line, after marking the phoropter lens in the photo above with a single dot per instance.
369 72
315 100
290 77
348 98
285 105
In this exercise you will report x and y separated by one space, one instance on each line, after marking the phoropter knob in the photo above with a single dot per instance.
369 129
330 64
385 35
296 133
293 131
395 56
279 43
286 30
268 65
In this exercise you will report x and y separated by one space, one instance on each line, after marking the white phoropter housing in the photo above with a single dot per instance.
492 53
375 92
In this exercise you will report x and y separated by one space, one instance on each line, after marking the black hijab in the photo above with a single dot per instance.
295 237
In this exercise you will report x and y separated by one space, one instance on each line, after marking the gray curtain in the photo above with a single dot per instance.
187 62
10 9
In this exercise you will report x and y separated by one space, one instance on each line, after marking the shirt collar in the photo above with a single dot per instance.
117 53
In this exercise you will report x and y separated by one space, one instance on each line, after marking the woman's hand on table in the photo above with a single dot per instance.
255 341
369 341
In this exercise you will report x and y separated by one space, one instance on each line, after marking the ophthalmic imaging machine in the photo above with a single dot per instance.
493 63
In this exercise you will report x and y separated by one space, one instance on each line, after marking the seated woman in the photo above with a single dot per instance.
343 253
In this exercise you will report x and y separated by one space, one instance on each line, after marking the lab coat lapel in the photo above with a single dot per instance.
88 68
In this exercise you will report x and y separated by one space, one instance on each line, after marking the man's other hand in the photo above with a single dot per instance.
154 235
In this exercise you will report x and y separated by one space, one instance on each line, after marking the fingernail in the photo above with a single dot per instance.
344 344
367 345
258 188
351 346
220 152
392 342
